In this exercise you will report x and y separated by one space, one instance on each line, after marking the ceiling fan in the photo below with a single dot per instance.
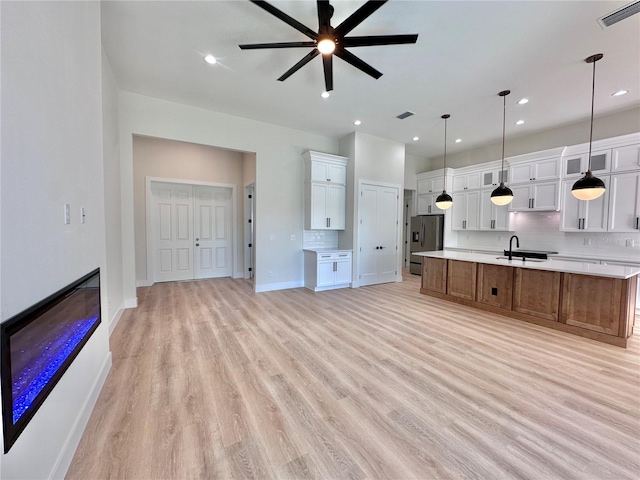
330 41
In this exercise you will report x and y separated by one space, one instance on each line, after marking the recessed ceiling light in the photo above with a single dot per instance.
357 122
210 59
325 94
619 93
522 101
458 140
519 122
415 139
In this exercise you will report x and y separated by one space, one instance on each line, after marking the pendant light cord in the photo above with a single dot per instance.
444 170
593 96
504 119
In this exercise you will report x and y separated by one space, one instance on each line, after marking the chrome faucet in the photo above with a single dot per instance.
511 245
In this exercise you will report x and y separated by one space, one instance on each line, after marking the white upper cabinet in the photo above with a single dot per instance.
324 167
537 196
431 185
466 211
493 217
583 215
624 202
577 165
466 181
625 158
325 191
492 178
539 170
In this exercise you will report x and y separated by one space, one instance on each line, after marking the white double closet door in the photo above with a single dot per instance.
191 231
378 234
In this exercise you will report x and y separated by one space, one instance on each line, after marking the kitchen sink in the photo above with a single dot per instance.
523 259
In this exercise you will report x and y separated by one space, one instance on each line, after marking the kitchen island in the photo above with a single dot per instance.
591 300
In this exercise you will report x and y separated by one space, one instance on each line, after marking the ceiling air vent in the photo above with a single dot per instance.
620 14
406 114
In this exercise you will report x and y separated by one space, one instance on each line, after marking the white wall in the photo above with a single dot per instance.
169 159
279 178
377 161
51 154
412 166
112 204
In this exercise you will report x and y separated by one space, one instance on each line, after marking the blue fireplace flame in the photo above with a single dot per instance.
34 376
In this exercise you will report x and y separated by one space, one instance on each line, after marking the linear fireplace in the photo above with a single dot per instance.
38 345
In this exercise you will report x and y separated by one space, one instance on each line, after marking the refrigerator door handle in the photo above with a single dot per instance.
422 234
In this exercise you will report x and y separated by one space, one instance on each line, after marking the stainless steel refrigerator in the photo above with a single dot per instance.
426 235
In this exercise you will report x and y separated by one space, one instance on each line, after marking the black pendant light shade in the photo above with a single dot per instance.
503 194
444 200
590 187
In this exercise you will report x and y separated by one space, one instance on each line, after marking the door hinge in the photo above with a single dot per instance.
360 192
250 196
249 220
250 269
398 197
250 245
359 277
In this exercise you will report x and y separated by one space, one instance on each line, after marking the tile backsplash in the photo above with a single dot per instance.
540 231
320 239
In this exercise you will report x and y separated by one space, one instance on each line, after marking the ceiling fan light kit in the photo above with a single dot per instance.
590 187
329 41
444 200
503 194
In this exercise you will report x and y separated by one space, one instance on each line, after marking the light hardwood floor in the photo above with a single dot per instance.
210 380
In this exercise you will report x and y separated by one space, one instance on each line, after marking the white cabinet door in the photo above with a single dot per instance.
318 205
458 211
492 217
521 198
424 186
424 201
467 181
343 271
521 173
583 215
325 209
336 207
328 172
492 178
473 211
325 273
545 196
545 169
502 219
624 202
577 165
625 158
570 208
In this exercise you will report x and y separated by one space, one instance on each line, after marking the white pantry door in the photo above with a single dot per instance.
378 234
173 229
212 232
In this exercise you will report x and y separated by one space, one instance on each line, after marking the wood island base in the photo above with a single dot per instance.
594 307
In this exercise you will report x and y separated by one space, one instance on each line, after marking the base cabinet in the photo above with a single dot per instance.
327 270
434 274
597 303
537 293
495 285
461 279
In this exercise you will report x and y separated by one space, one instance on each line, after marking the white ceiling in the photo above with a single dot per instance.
467 51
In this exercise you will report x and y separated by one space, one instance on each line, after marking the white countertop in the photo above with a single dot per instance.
327 250
598 270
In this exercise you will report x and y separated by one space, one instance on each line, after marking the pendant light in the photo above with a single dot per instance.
444 200
590 187
503 194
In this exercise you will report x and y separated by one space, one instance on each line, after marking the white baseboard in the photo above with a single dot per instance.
144 283
131 302
269 287
69 449
116 318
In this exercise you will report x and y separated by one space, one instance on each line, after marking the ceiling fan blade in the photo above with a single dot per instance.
356 62
255 46
378 40
358 17
286 18
325 12
327 63
306 59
